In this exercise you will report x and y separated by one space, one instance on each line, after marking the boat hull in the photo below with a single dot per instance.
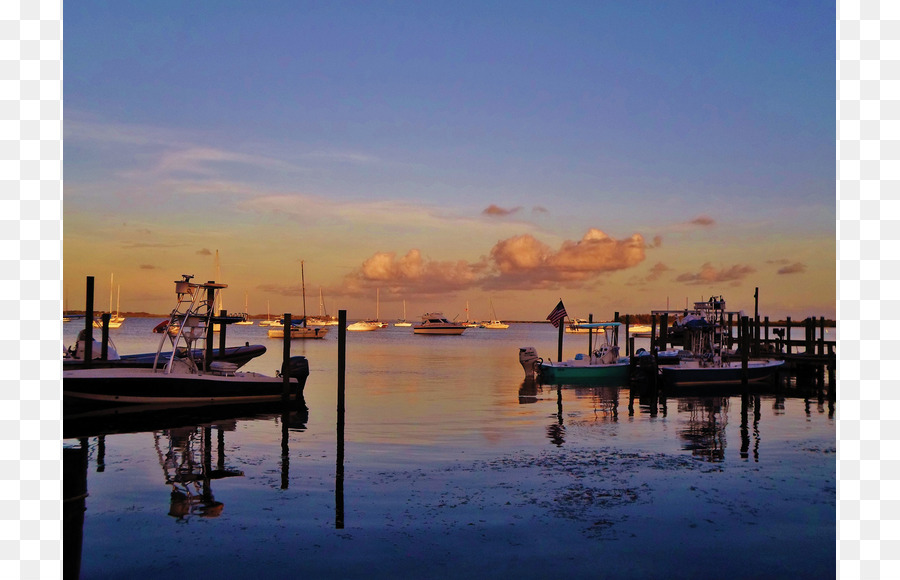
149 386
567 372
728 374
439 330
298 332
239 355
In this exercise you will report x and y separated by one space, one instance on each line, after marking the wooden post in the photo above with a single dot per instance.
664 331
104 336
211 300
286 356
730 329
787 334
590 335
767 333
653 333
628 342
222 327
88 322
822 335
341 401
745 348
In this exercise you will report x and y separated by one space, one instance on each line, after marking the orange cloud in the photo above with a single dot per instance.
710 275
520 262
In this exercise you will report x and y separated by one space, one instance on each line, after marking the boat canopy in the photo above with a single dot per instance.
599 324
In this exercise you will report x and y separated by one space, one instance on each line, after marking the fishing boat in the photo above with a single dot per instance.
707 362
435 323
298 329
183 380
74 355
577 326
602 363
495 322
714 371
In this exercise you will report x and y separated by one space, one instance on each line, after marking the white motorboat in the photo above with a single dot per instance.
435 323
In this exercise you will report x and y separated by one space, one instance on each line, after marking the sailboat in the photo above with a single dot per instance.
467 323
369 324
268 321
403 321
246 321
323 319
114 321
495 322
298 330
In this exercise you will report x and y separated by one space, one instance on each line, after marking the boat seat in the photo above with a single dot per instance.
223 368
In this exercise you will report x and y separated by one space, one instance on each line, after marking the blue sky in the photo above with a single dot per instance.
450 152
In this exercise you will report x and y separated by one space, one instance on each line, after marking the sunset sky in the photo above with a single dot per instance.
617 155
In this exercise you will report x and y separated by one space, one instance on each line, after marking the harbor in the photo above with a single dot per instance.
417 455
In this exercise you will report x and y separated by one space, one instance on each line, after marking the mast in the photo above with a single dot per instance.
303 291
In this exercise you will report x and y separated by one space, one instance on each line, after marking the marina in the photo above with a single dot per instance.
444 452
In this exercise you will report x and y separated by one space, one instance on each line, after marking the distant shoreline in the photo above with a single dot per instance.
634 318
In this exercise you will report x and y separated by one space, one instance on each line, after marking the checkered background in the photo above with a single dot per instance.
868 280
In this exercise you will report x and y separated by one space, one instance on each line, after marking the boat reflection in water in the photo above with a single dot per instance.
185 442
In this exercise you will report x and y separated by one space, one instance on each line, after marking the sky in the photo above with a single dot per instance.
620 156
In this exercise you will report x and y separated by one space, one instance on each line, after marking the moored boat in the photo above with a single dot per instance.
699 372
600 364
175 379
435 323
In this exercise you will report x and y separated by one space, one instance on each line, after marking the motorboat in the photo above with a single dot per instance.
709 363
714 371
577 326
74 355
435 323
183 380
363 326
602 363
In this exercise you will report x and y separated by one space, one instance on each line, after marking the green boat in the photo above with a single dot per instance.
603 364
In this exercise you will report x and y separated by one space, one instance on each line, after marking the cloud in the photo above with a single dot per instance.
204 252
710 275
520 262
493 210
703 220
795 268
147 267
539 209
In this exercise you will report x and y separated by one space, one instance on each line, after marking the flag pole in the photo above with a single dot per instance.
562 328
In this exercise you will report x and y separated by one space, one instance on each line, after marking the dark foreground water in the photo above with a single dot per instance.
452 466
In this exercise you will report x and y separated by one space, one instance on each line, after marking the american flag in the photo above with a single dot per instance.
557 315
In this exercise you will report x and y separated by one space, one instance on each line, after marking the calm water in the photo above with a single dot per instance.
452 466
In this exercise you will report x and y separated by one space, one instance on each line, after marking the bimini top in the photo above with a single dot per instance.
599 324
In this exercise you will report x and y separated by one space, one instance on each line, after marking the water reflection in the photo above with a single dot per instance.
704 434
604 399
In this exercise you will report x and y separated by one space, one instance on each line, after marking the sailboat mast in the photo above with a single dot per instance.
303 291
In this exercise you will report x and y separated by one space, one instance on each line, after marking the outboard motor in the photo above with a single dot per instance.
529 360
297 368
